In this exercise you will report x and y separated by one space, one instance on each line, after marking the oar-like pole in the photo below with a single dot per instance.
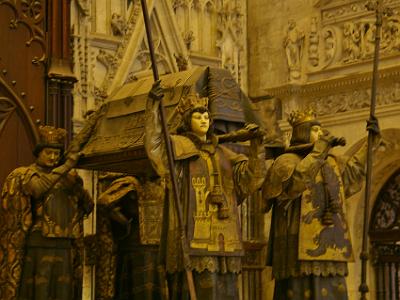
378 8
174 182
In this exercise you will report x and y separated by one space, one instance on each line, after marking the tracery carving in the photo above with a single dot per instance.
32 9
29 13
387 206
230 36
7 107
131 24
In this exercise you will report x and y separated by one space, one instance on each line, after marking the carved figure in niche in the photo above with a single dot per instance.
330 45
313 55
181 61
118 25
368 41
129 214
351 42
306 188
42 210
188 38
213 181
294 43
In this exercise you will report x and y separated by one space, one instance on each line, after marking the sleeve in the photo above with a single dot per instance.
248 172
290 175
37 185
85 200
353 171
153 141
15 222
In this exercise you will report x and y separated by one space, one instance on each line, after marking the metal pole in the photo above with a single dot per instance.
363 288
186 258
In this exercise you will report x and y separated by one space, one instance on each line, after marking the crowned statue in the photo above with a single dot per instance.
42 209
212 181
306 188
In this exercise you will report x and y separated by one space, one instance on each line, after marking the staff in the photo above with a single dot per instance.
186 259
380 11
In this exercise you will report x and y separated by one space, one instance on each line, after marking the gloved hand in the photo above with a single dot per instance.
328 141
156 92
373 125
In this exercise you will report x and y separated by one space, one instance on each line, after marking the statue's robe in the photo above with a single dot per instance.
41 234
309 258
214 245
128 236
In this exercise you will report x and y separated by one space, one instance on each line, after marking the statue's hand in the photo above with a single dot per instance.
251 127
72 159
156 93
326 142
373 125
332 140
255 131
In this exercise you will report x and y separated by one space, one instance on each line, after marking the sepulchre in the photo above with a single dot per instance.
117 146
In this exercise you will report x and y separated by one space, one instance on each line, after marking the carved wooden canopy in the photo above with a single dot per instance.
117 144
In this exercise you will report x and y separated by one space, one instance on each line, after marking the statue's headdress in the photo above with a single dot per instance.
50 137
191 101
188 104
299 117
301 122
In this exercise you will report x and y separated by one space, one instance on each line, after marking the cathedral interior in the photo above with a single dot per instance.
62 60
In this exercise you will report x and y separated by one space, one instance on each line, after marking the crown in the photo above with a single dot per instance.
298 117
190 101
50 135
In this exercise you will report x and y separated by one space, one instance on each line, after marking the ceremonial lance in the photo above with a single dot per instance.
189 274
380 11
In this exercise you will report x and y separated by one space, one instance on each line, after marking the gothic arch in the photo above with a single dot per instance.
384 212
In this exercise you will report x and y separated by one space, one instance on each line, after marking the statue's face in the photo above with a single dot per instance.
315 133
49 157
200 123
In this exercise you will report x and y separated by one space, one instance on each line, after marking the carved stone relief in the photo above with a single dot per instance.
347 32
313 55
355 99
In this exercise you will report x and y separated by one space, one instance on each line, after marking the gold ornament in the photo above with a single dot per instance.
190 101
50 135
298 117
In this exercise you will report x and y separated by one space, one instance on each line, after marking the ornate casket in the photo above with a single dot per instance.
117 143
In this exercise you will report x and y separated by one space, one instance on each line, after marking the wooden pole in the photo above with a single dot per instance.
174 182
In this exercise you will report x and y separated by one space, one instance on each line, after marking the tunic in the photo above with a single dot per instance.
205 170
45 210
308 256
